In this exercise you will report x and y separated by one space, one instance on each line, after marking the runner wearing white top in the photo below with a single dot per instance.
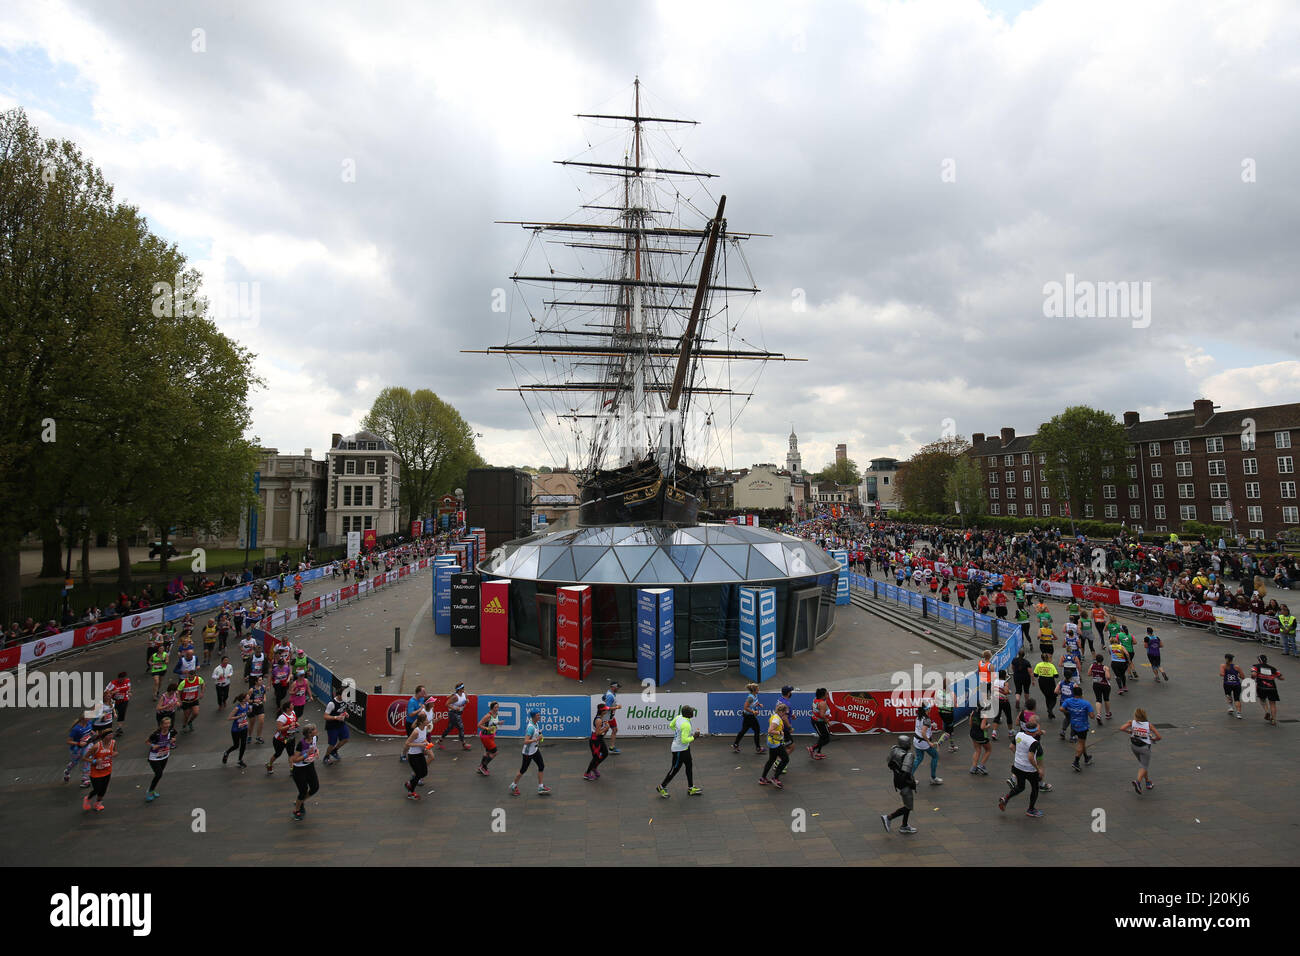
221 675
456 704
532 741
1026 768
417 746
1142 735
923 747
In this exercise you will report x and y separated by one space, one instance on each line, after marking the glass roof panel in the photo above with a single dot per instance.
606 571
634 558
686 557
561 569
761 569
661 569
713 568
584 557
774 553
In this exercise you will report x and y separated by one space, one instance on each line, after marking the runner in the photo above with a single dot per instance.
1026 769
1142 735
924 747
153 644
456 703
1022 618
946 702
1079 714
613 706
532 741
487 735
304 770
1152 644
1021 675
167 705
683 736
821 714
1003 698
1100 674
1046 673
209 641
1099 622
1126 639
904 783
191 691
599 750
981 746
121 690
336 726
281 673
80 737
223 628
238 718
776 752
1119 659
1231 675
417 746
299 694
221 675
100 756
286 728
161 742
413 706
787 698
257 701
1266 678
1046 640
749 717
246 647
157 669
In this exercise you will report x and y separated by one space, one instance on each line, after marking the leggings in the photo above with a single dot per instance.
305 778
1004 707
239 741
281 746
750 723
934 760
777 756
1121 673
223 692
599 751
489 754
99 786
158 766
823 735
1022 777
419 770
682 758
1048 688
454 723
78 753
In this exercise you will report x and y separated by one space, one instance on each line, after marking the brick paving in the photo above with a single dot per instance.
1223 794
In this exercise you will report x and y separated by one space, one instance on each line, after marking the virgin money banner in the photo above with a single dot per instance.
308 608
1152 603
1239 619
11 657
1269 625
94 633
134 622
1090 592
45 646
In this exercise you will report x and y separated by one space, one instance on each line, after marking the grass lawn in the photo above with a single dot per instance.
217 558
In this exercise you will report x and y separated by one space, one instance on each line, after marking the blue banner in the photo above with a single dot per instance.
964 616
560 716
322 681
667 637
758 633
442 597
984 625
842 578
749 634
428 526
647 635
726 709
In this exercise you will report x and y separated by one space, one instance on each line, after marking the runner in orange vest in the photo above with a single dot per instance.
100 757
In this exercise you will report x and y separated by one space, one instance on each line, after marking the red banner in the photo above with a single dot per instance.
369 539
494 623
572 631
880 711
1089 592
94 633
10 657
348 593
416 528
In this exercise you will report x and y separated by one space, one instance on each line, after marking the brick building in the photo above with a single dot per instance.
1194 465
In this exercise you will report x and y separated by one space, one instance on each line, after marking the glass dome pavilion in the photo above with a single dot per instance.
705 565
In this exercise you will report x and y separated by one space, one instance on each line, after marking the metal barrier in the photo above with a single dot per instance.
705 668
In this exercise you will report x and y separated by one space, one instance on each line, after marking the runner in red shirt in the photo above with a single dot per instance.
121 690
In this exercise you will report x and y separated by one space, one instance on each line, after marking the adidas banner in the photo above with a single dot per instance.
494 646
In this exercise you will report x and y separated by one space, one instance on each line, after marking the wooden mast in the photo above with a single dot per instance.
706 270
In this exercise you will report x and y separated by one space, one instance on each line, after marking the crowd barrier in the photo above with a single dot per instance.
43 648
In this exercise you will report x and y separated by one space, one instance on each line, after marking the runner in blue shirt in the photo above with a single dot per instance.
413 707
1065 691
1079 712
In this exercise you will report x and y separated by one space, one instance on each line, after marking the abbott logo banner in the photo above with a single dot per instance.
560 716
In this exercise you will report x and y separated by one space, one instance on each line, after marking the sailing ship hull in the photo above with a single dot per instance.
640 494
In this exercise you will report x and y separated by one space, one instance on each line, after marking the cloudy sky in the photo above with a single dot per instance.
926 170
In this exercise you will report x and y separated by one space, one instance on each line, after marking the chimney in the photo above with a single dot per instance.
307 452
977 439
841 452
1202 409
1131 419
335 439
1008 436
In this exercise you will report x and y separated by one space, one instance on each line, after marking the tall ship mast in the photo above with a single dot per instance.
625 340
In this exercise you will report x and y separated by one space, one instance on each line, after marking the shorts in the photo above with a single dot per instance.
532 758
613 725
119 708
489 742
1154 659
977 735
1232 690
188 705
338 733
907 793
1101 692
1268 693
1022 683
1044 647
1143 754
1002 610
258 710
1081 734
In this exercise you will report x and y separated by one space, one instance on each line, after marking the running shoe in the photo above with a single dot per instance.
514 791
694 791
467 747
587 776
1087 760
952 748
1230 711
736 750
67 774
982 771
480 771
1075 766
1150 785
412 795
297 815
663 792
1002 804
907 829
543 791
270 770
1033 813
1239 717
1010 783
441 745
1046 788
260 740
225 759
597 773
99 807
1138 787
1062 735
763 781
778 784
819 756
936 781
85 802
974 772
995 737
242 765
615 750
810 751
760 751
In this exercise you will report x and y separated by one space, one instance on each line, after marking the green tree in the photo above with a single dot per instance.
965 487
841 472
1079 444
922 480
434 444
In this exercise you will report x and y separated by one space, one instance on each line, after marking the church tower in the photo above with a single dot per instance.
792 461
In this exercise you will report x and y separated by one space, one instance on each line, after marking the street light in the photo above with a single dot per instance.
460 502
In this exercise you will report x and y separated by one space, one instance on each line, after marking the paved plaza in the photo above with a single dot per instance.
1223 786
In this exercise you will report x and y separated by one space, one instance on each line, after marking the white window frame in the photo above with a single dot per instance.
1214 446
350 466
1135 511
1108 491
1252 489
1217 467
1250 466
1157 469
1157 491
1187 512
1219 489
1285 465
1183 469
995 508
1112 511
1286 489
1290 514
1158 512
1153 449
1254 514
1281 439
1182 446
1187 491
